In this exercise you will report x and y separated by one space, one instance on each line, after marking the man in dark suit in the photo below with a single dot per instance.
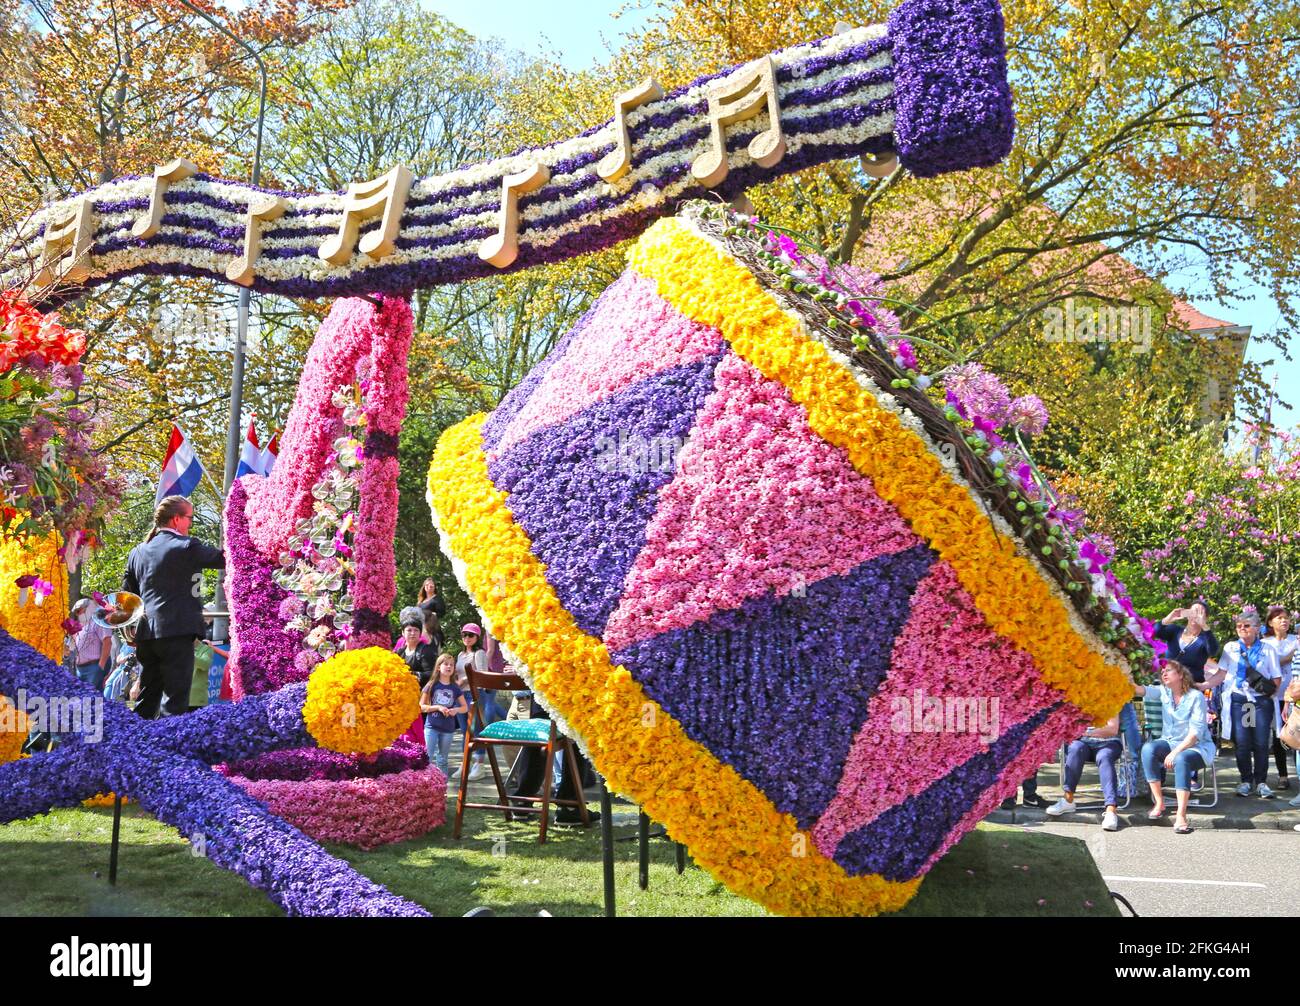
166 571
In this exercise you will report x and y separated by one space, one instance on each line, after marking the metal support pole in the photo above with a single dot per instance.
220 627
681 858
607 846
117 830
643 850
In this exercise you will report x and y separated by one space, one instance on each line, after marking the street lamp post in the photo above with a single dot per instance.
245 297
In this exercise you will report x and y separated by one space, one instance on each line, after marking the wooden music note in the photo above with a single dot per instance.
502 248
618 162
66 249
880 165
265 208
163 176
383 197
742 96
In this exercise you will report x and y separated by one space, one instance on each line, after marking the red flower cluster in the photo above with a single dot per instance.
25 331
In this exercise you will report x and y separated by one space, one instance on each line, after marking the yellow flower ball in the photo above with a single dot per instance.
360 701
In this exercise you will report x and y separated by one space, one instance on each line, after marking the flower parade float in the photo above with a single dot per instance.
733 559
795 552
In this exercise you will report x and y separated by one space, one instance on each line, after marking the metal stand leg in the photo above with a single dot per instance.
643 850
681 858
117 829
606 846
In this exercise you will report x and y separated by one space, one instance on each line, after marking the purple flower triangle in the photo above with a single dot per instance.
778 688
585 490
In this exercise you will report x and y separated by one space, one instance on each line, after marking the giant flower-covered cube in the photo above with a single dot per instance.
742 575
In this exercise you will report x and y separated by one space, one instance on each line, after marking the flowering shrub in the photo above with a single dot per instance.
1230 534
726 634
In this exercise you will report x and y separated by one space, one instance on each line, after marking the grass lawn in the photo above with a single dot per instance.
58 865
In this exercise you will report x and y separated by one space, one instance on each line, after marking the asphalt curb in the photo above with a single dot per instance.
1198 817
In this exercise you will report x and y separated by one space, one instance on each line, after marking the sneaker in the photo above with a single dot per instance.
1035 801
1244 789
1195 785
1265 792
476 771
1061 808
1009 803
1284 783
1294 802
1110 822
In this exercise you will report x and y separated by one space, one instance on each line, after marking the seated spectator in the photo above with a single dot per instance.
1103 746
1251 680
1184 743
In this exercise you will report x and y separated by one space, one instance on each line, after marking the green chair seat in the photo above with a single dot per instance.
518 730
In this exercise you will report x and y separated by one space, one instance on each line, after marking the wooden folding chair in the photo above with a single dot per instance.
536 733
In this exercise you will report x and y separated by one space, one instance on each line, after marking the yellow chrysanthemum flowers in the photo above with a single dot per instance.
360 701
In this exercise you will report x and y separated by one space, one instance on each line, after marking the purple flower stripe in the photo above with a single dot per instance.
898 843
264 656
952 99
240 835
402 279
778 688
60 778
319 763
240 730
584 512
112 240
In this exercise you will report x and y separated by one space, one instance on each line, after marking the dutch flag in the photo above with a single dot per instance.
250 456
181 469
269 453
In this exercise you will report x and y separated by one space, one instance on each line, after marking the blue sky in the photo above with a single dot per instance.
585 31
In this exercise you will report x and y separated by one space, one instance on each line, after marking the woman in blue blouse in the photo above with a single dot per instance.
1184 744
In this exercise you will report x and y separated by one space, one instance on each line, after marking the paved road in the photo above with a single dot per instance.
1211 872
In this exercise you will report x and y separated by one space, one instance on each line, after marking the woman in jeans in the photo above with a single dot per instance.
1102 745
1246 662
1184 744
1278 635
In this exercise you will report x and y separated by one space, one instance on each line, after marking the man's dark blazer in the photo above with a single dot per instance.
164 573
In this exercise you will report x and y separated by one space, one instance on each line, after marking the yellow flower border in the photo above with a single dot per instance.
710 287
732 829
